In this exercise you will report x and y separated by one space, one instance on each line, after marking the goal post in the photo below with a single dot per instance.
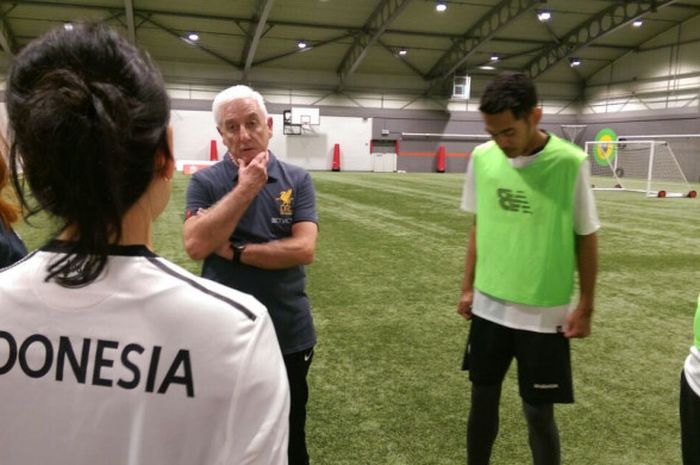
647 166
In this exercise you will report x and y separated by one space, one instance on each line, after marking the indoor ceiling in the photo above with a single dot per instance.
359 44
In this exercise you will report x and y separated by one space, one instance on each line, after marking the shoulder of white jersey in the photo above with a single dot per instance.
19 262
244 303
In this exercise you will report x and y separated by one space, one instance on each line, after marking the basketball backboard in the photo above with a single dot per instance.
306 115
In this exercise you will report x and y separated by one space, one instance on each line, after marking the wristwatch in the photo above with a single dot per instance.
238 248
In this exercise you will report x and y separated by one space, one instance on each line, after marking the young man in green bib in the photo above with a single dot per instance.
690 400
534 225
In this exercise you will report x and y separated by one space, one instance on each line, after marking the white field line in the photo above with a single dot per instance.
386 222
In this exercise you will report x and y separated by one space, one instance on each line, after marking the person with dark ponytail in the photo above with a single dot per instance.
109 353
11 246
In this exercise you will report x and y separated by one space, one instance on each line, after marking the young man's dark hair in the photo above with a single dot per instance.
509 91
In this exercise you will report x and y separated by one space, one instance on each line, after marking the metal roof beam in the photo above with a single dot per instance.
7 40
403 60
600 25
8 43
131 30
385 13
485 28
194 44
262 13
308 49
333 27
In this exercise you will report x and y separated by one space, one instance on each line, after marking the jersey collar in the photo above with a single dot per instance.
136 250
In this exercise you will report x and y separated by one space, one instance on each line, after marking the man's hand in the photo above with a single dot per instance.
252 176
225 251
578 323
464 307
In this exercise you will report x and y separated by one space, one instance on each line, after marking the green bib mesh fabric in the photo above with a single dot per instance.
525 230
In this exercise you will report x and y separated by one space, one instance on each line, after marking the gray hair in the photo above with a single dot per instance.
235 93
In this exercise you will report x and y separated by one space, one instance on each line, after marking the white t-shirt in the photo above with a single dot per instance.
692 369
522 316
148 365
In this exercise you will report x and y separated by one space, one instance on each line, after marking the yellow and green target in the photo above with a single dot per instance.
604 153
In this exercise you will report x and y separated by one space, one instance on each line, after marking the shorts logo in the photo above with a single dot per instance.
514 201
285 200
545 386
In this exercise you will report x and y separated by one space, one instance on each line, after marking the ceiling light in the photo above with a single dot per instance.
193 36
68 26
441 6
487 68
495 58
403 51
574 61
637 23
301 44
544 15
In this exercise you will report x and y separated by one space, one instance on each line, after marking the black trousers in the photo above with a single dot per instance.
690 423
298 364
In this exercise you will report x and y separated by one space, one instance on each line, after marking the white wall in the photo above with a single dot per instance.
313 150
192 133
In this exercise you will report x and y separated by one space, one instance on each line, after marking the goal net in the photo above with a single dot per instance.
647 166
573 132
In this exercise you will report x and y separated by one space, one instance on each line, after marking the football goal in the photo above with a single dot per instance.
647 166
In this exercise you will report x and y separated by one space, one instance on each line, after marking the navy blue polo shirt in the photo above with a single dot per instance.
287 198
11 246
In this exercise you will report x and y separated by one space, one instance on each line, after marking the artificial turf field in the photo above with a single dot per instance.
386 385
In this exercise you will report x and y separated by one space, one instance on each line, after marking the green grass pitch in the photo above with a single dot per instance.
386 387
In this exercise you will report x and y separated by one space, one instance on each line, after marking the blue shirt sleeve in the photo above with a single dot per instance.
11 247
305 202
198 196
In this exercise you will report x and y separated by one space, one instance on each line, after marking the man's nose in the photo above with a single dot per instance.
243 133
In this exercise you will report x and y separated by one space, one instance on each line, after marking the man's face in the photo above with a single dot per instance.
513 136
244 129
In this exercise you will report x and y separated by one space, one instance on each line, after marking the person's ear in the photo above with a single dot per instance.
169 168
165 159
536 116
269 124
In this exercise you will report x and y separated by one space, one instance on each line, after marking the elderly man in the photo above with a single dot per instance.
252 219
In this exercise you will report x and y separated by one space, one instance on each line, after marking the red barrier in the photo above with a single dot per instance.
440 162
213 151
335 166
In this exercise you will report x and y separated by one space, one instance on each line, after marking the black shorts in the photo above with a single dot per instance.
690 423
544 361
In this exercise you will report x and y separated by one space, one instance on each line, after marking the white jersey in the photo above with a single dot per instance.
529 317
148 365
691 367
